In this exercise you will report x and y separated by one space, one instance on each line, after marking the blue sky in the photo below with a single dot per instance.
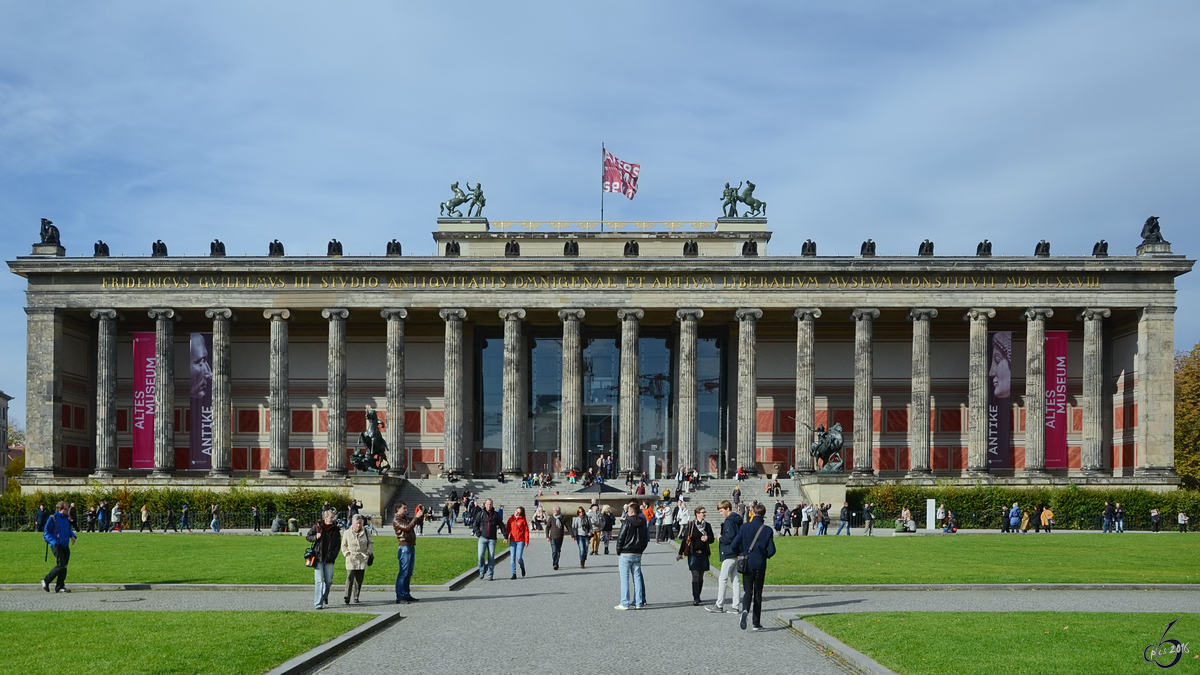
303 120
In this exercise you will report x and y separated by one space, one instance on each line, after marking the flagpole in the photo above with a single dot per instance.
603 156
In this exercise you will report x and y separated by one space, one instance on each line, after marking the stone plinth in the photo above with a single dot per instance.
462 224
741 224
376 493
826 488
56 250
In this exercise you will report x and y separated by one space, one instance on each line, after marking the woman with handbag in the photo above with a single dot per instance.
326 538
697 536
359 551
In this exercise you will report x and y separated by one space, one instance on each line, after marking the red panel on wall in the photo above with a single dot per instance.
775 454
1074 457
939 458
845 418
904 459
412 421
848 457
958 458
248 421
885 459
435 422
877 419
182 458
260 459
821 418
320 459
80 418
85 457
950 420
897 420
70 456
1077 419
764 422
356 421
1132 415
424 455
1018 457
122 420
302 421
1022 422
323 421
787 421
1130 459
295 459
124 458
1118 417
66 416
238 455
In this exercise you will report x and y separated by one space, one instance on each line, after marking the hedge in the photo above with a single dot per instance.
238 499
891 499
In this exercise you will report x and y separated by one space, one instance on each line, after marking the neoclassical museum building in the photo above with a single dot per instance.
541 346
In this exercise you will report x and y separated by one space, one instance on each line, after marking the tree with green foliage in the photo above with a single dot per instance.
16 436
1187 417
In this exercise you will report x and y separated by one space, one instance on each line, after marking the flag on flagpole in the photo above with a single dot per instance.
620 176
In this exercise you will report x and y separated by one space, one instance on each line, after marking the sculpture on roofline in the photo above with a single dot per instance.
450 206
1151 233
101 249
729 201
216 249
477 200
49 233
756 207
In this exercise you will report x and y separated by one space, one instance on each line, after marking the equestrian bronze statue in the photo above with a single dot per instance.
372 457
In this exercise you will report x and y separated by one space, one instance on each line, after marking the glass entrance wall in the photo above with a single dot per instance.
655 397
601 370
709 400
545 394
489 388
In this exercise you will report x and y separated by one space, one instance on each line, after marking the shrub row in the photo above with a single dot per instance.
237 499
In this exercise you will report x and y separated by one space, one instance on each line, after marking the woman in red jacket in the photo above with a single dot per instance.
518 539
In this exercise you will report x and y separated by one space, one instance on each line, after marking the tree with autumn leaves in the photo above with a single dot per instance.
1187 417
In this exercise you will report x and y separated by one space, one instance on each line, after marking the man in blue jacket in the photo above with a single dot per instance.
755 541
60 536
728 576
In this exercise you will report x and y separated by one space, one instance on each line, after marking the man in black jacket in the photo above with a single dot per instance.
844 516
631 543
556 528
447 519
754 540
487 525
728 575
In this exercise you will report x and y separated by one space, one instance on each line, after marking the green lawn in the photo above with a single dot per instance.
219 559
132 642
986 558
1033 643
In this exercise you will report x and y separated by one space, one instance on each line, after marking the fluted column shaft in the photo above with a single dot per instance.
335 440
571 422
106 391
977 392
1035 388
1092 452
864 395
1155 393
806 394
747 392
454 392
918 427
629 424
512 387
685 447
164 390
394 384
280 392
222 412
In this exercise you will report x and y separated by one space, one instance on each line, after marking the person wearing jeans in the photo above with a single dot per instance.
406 554
581 532
555 531
631 543
845 518
728 575
518 539
326 537
488 525
755 541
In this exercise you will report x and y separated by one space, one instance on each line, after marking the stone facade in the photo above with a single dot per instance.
718 360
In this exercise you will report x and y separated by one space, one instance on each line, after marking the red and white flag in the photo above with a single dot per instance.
620 176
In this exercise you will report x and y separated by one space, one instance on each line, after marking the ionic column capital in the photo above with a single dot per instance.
748 314
571 314
864 314
630 314
1094 314
512 314
277 314
453 314
979 314
161 313
215 313
332 313
689 314
922 314
107 314
1038 313
394 313
804 313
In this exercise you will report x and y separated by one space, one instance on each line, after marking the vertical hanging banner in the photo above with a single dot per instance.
200 365
999 400
620 177
1056 399
144 384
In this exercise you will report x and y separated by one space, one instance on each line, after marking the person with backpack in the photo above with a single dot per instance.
754 543
59 536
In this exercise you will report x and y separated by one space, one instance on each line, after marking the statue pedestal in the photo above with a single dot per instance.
755 224
462 224
49 249
376 493
826 488
1160 249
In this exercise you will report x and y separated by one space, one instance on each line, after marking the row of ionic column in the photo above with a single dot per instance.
222 425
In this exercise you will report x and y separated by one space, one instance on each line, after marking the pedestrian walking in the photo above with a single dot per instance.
1119 517
215 512
1004 526
607 527
145 522
117 514
844 516
56 530
406 553
1155 520
326 537
1025 522
1047 518
1109 514
90 518
358 549
756 543
666 521
728 577
518 539
807 519
447 520
1014 518
697 539
488 526
257 524
869 518
581 532
597 520
73 516
185 522
170 520
632 540
555 531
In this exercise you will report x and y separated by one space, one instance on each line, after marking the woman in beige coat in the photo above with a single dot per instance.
359 551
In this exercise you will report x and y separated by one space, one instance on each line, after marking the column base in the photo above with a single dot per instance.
977 473
101 475
161 473
862 473
1033 473
336 473
279 473
1155 472
1095 472
919 473
220 473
